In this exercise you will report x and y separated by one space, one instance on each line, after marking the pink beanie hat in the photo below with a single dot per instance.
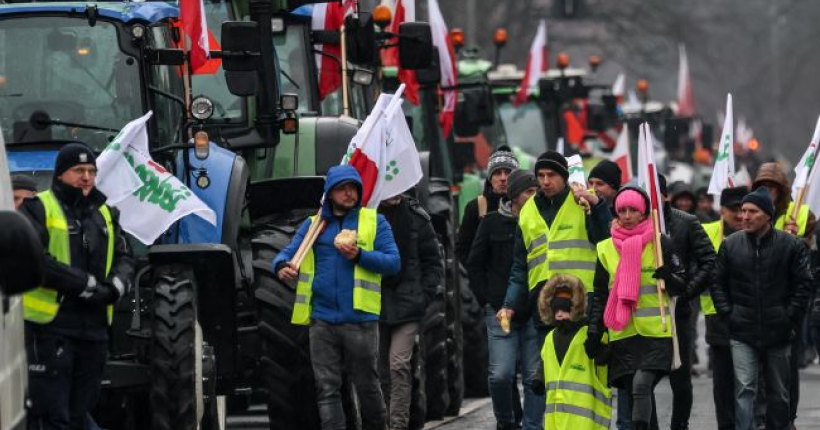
632 199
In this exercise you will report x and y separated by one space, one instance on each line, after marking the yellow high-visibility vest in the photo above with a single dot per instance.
578 397
802 219
563 248
367 290
715 233
646 318
41 304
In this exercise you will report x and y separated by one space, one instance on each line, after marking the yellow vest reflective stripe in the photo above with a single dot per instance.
41 304
646 319
577 395
562 249
802 219
367 291
715 233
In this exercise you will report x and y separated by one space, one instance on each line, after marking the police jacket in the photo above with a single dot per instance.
405 296
762 286
88 241
693 247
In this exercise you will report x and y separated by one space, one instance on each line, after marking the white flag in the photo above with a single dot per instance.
804 167
723 175
812 196
559 147
402 165
6 196
160 201
576 170
619 87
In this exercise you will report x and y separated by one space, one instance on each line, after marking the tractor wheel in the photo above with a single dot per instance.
418 397
455 340
285 362
477 356
176 352
434 340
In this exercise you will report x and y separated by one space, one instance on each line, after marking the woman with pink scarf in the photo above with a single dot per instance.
627 305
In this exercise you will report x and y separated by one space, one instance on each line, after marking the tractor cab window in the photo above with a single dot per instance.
524 126
63 80
167 91
294 54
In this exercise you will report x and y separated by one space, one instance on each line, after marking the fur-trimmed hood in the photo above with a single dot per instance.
579 297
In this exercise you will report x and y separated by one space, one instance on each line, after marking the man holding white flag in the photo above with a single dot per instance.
88 268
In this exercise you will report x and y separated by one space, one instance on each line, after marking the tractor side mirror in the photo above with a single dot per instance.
474 109
415 45
360 37
430 75
241 57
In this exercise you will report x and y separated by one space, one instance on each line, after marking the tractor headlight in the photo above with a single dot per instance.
138 31
289 102
202 108
362 77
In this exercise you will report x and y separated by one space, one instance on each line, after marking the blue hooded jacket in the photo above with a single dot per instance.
333 283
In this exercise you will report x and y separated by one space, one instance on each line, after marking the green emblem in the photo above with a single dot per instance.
392 170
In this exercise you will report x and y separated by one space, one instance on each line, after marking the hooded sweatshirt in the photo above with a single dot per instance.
332 299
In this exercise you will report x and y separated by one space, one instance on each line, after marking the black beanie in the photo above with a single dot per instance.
554 161
560 304
608 172
518 182
21 181
71 155
501 158
761 198
733 196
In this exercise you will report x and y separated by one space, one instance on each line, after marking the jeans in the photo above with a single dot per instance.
396 351
352 350
723 387
64 379
624 421
777 374
524 344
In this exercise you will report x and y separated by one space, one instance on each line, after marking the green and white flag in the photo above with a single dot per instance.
576 170
149 197
803 168
723 175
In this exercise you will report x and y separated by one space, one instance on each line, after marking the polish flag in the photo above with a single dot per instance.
192 13
622 156
403 11
648 172
686 97
447 62
536 63
330 16
211 66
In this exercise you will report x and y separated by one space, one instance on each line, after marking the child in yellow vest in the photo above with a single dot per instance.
577 394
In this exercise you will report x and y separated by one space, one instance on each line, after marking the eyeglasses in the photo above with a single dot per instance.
91 171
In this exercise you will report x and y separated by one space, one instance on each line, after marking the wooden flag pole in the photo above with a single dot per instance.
345 83
658 263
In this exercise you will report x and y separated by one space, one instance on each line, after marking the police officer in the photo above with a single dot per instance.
88 267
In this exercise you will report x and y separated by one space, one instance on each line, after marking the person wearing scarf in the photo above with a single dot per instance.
640 350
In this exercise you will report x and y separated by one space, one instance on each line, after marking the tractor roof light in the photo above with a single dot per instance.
277 25
594 62
138 31
202 108
754 144
562 61
457 37
201 145
362 77
642 86
500 37
289 102
382 16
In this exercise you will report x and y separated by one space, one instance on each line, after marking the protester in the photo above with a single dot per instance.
404 301
682 198
605 177
706 206
552 213
771 176
339 295
577 390
489 270
627 303
23 187
499 166
761 255
88 268
717 336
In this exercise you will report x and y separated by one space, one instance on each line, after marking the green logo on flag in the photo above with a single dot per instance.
392 170
160 193
576 169
724 150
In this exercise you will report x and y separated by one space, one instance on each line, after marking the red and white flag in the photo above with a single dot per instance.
330 16
447 62
686 96
192 14
621 155
619 87
403 11
648 172
536 64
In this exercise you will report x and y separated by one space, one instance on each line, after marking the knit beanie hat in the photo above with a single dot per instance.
733 196
562 301
632 199
71 155
554 161
761 198
501 158
20 181
519 181
608 172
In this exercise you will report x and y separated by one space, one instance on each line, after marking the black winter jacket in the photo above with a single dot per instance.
762 286
88 240
696 252
470 222
405 296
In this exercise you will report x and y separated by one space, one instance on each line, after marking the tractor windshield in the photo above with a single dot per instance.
210 80
524 126
294 55
61 79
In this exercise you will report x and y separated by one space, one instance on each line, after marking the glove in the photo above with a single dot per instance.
672 285
604 354
106 293
592 346
538 384
90 288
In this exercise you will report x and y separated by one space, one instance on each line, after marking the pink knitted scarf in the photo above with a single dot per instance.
627 287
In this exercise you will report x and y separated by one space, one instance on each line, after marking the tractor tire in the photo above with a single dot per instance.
434 342
455 340
477 356
286 370
176 388
418 397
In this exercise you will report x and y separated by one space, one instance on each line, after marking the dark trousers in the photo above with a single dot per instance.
64 379
723 386
681 379
350 350
640 391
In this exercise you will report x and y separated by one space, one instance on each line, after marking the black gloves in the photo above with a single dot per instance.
592 346
603 356
538 384
103 293
672 283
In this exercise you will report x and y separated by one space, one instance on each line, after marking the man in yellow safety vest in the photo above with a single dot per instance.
338 292
88 267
